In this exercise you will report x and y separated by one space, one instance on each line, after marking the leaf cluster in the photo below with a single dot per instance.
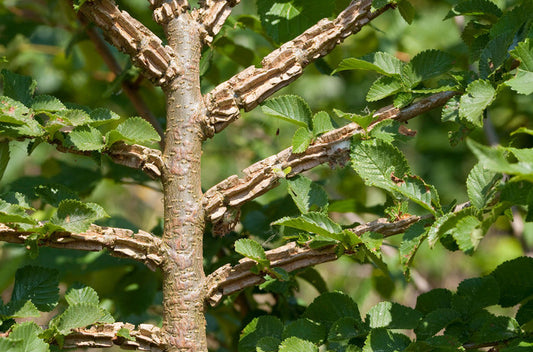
333 321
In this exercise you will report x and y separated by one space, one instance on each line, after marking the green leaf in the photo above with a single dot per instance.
481 184
522 82
362 120
81 315
497 328
301 140
467 234
430 301
268 344
74 216
307 195
265 325
495 159
382 165
18 87
305 329
125 333
134 130
86 138
479 292
47 103
38 284
53 194
524 53
13 112
515 279
285 19
524 314
330 307
411 241
380 62
393 316
480 8
425 65
478 96
435 321
345 329
251 249
72 117
82 295
13 213
4 157
376 161
312 222
19 309
102 116
294 344
321 123
383 87
291 108
28 333
381 340
407 11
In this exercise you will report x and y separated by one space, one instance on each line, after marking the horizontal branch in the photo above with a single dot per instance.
133 38
131 155
229 279
212 14
223 200
282 66
122 243
146 337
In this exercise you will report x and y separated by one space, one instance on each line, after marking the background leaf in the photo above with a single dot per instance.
290 108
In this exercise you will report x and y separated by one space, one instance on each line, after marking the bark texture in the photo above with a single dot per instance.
183 275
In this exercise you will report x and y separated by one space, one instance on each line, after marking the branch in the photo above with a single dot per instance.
122 243
229 279
213 14
127 87
147 337
131 155
222 200
282 66
132 37
164 11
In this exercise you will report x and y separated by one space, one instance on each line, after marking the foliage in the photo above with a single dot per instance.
392 174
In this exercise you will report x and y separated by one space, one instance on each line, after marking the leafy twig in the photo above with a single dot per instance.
282 66
127 87
223 199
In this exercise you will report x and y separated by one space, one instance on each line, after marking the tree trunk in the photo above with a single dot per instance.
183 275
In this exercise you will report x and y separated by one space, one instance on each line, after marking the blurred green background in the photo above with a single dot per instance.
44 40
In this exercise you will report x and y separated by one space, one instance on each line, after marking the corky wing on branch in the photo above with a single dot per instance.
222 200
147 337
282 66
212 14
229 279
122 243
133 38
